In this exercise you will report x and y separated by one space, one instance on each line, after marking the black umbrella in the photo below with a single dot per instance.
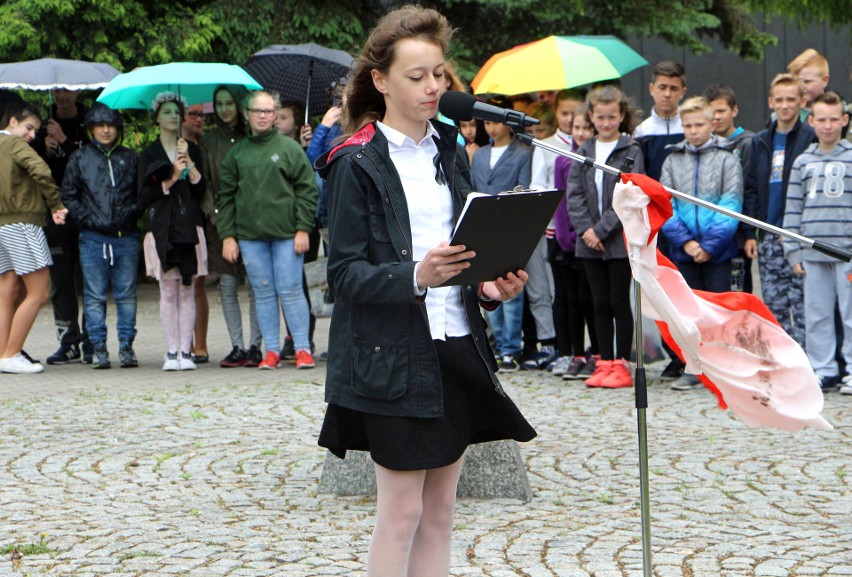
300 72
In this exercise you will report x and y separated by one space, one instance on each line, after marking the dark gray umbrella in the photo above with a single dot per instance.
56 73
300 72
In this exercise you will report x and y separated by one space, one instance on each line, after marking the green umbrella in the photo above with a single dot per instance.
554 63
194 81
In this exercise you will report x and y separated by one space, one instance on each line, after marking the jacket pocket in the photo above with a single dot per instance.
378 224
380 366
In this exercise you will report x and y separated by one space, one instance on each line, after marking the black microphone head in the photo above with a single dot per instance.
457 105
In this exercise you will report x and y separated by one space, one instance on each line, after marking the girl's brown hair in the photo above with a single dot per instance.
20 111
609 94
364 103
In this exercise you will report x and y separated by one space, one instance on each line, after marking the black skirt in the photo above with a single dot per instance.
474 412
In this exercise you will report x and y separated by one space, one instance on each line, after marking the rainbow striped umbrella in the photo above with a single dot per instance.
554 63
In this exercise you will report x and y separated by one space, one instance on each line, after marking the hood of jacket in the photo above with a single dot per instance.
100 113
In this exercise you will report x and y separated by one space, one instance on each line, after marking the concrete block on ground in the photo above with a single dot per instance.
491 471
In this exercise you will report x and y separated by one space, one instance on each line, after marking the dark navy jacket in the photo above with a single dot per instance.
756 198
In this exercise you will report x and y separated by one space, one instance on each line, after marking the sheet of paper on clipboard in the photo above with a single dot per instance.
503 230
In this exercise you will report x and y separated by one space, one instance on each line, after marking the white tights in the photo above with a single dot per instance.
177 314
414 522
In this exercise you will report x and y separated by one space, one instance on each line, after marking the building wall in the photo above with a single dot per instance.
750 80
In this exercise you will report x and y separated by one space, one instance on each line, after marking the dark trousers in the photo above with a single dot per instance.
714 278
573 309
609 281
65 251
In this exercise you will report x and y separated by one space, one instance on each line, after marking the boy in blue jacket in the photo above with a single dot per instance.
702 242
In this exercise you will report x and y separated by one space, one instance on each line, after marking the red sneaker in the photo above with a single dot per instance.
602 371
270 361
619 376
304 360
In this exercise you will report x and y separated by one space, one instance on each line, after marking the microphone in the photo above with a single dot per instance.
463 106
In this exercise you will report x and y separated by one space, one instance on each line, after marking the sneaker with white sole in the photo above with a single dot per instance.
846 385
186 363
560 365
686 382
171 362
20 365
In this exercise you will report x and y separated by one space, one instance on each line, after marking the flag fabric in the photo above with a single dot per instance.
730 340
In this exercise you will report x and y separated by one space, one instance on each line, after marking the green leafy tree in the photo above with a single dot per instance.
130 33
123 33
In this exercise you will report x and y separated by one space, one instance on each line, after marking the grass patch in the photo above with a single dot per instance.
160 459
128 556
39 548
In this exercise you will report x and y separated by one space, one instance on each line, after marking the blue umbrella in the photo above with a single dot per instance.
55 73
194 81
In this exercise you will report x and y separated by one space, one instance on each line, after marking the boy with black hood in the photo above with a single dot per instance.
99 189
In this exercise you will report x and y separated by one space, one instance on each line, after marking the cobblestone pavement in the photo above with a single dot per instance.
215 472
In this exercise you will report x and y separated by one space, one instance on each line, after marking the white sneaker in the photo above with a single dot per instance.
171 362
186 363
686 382
560 365
846 389
19 364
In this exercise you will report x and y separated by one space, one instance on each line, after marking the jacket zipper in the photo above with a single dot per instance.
695 191
392 205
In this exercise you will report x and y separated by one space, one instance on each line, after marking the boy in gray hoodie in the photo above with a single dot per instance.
819 206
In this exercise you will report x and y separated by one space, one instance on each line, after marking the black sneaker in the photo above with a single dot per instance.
65 354
508 364
88 352
127 357
588 369
100 359
572 372
673 370
254 357
829 384
236 358
288 351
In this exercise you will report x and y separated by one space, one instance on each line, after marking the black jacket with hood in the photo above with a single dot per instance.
99 187
382 358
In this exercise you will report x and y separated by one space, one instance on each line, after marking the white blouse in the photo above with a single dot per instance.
430 212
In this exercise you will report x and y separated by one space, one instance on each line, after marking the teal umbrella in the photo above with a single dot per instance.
194 81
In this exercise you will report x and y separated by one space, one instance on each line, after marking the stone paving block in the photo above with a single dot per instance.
219 468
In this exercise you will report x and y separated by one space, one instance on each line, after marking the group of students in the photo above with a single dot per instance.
241 202
793 174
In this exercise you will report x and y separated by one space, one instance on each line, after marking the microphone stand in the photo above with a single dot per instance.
641 386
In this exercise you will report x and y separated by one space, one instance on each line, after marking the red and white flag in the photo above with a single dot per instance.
730 340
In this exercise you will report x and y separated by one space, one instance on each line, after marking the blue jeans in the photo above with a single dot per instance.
506 322
275 272
109 260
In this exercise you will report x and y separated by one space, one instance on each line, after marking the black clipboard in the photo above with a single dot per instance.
503 229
